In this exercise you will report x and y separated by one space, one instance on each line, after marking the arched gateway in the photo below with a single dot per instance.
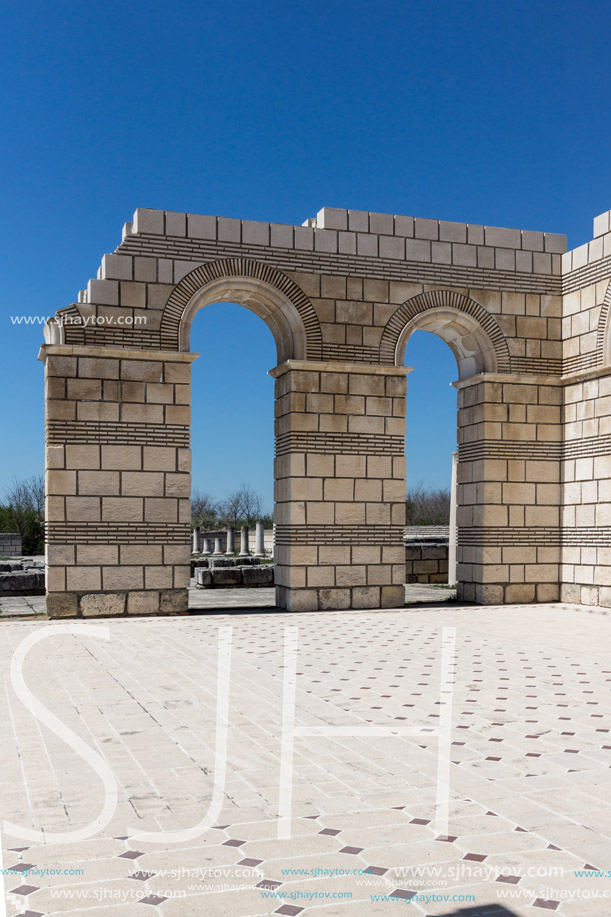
341 295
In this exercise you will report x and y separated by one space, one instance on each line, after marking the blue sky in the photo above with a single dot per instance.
481 112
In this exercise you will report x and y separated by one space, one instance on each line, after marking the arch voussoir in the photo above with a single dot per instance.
436 300
226 269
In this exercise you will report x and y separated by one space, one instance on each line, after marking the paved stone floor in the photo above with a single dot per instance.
530 770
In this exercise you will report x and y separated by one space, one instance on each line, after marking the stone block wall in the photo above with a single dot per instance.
340 491
118 481
426 563
509 491
586 513
10 544
527 321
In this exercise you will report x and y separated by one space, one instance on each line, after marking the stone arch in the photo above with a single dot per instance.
473 335
603 334
268 292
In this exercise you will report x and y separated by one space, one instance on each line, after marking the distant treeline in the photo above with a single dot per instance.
22 510
427 506
243 506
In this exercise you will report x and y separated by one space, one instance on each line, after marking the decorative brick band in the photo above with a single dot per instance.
443 299
510 536
580 362
119 434
535 536
588 447
548 365
350 353
345 265
584 361
340 443
354 535
586 275
238 267
118 533
496 449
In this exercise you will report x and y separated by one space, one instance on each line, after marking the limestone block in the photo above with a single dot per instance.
201 227
122 577
258 576
83 578
120 457
174 601
102 604
88 554
143 603
392 596
61 482
157 577
82 509
62 604
228 576
203 576
98 482
160 509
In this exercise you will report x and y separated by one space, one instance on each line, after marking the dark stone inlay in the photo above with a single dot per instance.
403 893
24 890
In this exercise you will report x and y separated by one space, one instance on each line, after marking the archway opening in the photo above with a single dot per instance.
430 447
232 438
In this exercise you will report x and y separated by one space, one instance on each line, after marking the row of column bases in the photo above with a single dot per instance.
204 545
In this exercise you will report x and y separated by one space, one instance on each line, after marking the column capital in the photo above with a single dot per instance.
116 353
333 367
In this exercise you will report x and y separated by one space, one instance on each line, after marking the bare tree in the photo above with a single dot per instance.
427 506
27 495
23 511
242 505
252 504
204 510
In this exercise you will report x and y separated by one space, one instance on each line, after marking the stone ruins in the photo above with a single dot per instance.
527 321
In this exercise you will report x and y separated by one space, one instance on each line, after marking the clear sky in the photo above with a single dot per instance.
483 112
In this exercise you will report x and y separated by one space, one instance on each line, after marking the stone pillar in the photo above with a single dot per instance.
453 530
196 540
218 548
586 476
339 485
244 549
207 548
230 540
259 540
118 517
510 447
